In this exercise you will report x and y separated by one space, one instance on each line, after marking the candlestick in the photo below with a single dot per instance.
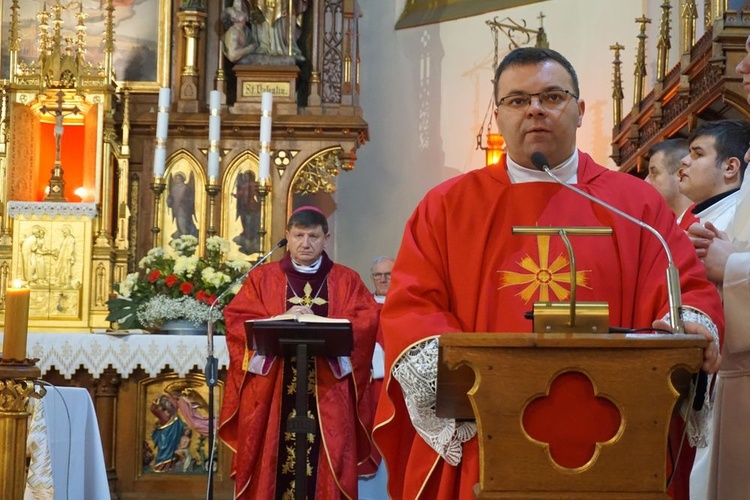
162 127
214 132
16 321
265 136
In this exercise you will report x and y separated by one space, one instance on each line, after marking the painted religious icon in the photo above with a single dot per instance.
247 212
181 201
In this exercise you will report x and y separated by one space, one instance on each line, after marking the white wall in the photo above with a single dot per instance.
425 91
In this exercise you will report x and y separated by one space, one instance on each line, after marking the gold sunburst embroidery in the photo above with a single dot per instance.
543 276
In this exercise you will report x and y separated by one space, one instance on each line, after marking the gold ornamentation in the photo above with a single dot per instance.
318 174
15 394
307 300
542 275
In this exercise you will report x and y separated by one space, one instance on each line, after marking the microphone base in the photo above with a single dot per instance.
555 317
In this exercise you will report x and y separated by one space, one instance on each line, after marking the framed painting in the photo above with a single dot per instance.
142 30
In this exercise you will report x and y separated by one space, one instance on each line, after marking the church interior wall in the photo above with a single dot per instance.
425 91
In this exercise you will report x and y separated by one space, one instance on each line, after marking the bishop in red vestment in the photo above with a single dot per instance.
459 268
251 416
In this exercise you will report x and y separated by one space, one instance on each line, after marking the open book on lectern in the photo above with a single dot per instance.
280 335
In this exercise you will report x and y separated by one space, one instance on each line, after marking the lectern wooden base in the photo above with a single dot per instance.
632 371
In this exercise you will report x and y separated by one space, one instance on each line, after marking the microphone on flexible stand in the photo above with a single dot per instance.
212 365
673 276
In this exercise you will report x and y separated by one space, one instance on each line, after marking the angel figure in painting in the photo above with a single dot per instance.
181 201
248 212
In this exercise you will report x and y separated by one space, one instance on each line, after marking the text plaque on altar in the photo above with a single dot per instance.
256 89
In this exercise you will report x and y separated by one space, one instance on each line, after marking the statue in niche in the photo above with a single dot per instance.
193 5
181 201
239 40
33 255
269 26
66 257
248 212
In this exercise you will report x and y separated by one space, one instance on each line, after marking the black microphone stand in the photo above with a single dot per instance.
212 367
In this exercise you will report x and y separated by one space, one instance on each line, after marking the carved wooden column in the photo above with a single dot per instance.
16 388
191 49
107 387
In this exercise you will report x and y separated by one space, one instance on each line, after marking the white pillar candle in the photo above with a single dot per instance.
214 133
162 127
266 106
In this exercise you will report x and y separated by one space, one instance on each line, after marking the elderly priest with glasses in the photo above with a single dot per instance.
459 269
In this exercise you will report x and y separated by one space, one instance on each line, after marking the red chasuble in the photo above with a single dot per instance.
250 413
459 269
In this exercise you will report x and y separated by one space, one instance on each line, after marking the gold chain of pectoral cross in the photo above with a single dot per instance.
307 300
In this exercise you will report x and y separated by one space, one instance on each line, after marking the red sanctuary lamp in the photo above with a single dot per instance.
495 148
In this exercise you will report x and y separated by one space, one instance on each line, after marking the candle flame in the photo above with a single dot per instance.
18 283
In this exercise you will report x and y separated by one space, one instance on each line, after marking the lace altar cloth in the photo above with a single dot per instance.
51 209
95 352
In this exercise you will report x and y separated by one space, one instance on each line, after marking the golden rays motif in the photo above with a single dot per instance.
543 276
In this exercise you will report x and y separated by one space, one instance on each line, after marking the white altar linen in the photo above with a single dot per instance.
68 445
96 351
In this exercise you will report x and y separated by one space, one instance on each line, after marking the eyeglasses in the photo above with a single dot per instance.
548 99
378 276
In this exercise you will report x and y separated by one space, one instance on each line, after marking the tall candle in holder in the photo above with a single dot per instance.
162 127
16 321
214 132
266 106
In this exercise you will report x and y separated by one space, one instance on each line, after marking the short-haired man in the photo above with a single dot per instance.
459 269
260 393
711 174
663 173
727 260
380 272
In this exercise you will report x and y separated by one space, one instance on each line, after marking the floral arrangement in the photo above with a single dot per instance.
181 287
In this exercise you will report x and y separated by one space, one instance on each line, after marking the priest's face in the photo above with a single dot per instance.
549 121
306 244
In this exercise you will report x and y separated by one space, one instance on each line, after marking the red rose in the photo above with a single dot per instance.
186 288
154 275
201 296
171 280
211 299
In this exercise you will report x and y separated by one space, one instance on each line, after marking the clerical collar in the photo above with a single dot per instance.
380 299
567 171
308 269
700 207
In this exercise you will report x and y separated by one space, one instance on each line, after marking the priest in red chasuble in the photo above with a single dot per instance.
459 269
260 392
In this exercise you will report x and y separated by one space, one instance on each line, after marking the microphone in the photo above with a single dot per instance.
212 377
212 366
673 276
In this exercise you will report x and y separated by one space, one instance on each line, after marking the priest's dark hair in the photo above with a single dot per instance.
731 138
523 56
308 216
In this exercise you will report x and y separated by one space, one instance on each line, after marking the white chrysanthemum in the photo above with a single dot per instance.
185 245
186 266
126 287
151 256
217 244
214 278
238 266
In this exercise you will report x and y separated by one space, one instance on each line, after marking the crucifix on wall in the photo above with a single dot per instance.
56 182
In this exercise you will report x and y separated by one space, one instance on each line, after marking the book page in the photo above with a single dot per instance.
303 318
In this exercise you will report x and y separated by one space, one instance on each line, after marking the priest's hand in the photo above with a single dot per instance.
717 254
711 356
701 237
299 309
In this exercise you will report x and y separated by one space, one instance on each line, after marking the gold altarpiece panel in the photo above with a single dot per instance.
184 201
241 218
52 251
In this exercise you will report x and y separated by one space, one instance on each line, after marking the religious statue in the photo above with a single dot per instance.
181 200
248 212
272 25
66 257
238 37
33 255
